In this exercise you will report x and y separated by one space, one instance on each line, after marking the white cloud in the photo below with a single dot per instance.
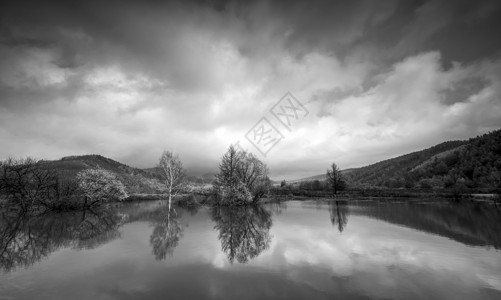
198 80
403 111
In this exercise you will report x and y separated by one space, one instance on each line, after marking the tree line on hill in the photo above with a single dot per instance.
474 165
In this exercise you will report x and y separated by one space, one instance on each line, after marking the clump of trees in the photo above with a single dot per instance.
314 185
335 179
100 186
29 184
242 178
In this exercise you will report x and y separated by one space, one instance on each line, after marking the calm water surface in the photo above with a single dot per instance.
293 250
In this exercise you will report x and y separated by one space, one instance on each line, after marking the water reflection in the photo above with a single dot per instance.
244 232
166 233
339 214
473 224
293 251
26 239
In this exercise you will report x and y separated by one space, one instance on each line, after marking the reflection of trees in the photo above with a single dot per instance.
166 234
243 231
276 207
25 240
339 214
96 228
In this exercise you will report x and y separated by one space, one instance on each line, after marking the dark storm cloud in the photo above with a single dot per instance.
135 32
130 78
461 90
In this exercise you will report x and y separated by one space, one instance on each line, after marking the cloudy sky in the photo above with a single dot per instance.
128 79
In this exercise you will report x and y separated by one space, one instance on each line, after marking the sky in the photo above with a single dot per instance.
130 79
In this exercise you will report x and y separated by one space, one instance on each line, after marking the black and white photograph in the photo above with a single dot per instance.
259 149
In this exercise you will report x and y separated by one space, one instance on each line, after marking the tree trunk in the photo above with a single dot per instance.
170 197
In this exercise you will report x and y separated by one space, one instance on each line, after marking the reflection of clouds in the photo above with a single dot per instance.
391 256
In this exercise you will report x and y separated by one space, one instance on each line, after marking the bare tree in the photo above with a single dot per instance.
27 182
254 174
172 172
335 179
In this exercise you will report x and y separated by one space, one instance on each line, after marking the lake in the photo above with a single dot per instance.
289 250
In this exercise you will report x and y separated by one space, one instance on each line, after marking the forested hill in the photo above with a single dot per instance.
392 172
475 163
136 180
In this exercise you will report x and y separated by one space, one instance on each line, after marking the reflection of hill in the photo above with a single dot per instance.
244 232
471 224
25 240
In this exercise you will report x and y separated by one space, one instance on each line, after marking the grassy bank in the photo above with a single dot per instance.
193 199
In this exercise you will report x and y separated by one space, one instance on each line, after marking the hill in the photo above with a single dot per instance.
137 181
397 172
475 163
